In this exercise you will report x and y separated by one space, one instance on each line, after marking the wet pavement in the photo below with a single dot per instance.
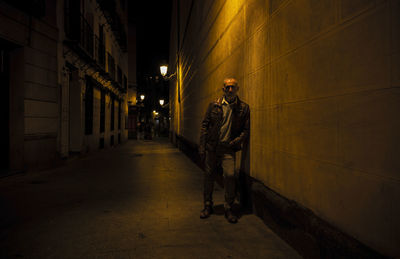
141 199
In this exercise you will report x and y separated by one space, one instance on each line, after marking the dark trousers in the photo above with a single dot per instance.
223 158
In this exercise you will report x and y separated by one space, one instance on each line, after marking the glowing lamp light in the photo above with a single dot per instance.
142 97
161 102
163 70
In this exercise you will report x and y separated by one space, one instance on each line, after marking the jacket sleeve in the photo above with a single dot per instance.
204 130
243 136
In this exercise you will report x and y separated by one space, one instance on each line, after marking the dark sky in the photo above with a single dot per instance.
153 19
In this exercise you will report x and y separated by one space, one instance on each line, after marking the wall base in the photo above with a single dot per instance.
310 235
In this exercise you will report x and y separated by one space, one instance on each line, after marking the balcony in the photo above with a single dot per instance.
82 40
111 66
36 8
108 8
100 52
79 33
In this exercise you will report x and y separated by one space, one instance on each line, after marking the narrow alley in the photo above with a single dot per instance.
138 200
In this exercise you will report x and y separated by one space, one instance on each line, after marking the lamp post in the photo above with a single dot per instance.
163 70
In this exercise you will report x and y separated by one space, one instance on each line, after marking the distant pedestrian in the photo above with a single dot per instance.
224 129
148 131
140 130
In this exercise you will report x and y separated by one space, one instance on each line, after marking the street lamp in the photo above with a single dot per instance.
163 70
142 97
161 102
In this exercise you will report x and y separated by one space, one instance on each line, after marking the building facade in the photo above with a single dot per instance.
93 69
65 74
322 82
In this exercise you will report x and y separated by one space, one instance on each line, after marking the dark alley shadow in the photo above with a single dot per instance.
236 209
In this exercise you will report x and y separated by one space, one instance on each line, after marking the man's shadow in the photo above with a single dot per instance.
236 209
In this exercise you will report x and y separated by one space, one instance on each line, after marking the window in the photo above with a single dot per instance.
112 114
102 110
119 114
111 66
119 77
125 85
101 47
89 107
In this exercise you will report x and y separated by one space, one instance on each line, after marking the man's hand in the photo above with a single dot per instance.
233 143
202 156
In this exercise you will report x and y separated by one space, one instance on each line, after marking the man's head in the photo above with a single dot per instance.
230 89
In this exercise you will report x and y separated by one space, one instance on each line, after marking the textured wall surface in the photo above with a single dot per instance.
322 80
34 103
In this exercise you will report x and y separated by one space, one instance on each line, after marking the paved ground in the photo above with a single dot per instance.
138 200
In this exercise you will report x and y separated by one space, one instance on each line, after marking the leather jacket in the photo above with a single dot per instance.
211 125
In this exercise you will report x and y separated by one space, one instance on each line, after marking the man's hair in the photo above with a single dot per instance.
230 81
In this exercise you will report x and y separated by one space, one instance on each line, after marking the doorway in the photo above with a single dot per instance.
5 105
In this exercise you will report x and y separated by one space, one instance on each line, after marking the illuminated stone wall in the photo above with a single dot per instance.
322 81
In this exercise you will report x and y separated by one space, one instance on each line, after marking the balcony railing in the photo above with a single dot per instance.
36 8
119 76
78 29
111 65
109 9
81 38
100 52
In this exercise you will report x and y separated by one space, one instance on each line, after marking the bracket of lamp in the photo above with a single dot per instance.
169 77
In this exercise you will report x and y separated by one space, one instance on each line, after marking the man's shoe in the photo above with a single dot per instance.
206 212
230 216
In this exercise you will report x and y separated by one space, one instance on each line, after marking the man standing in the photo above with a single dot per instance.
225 128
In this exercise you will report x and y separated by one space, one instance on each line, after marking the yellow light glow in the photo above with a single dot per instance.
163 70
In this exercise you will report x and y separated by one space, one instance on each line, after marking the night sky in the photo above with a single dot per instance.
153 19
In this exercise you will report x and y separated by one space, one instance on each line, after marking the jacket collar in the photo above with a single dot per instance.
218 102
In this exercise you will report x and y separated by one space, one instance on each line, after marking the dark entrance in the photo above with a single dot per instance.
5 105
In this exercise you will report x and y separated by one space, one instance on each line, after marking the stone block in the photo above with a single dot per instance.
43 43
256 15
40 59
368 128
298 22
12 30
256 88
274 5
353 59
309 129
37 108
40 92
234 35
354 7
50 30
38 75
233 66
40 125
257 51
